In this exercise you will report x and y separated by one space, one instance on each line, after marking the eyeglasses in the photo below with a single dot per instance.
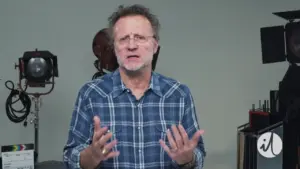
137 38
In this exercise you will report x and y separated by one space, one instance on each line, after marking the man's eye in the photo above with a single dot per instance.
140 37
123 39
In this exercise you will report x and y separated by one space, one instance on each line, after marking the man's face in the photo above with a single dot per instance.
134 43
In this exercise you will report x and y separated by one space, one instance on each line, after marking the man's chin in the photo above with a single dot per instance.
133 68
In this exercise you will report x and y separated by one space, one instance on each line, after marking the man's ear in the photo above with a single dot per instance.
156 47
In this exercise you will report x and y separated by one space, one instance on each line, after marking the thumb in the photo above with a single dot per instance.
96 123
197 136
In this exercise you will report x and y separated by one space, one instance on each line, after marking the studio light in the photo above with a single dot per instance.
282 43
38 68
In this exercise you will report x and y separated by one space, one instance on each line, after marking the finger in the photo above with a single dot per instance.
112 155
165 147
98 131
97 128
184 135
177 136
171 140
97 123
98 134
196 137
104 139
108 147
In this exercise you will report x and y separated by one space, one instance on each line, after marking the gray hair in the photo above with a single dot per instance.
134 10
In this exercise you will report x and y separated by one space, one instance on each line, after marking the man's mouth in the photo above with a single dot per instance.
132 56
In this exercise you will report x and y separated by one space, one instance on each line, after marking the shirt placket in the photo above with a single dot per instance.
140 134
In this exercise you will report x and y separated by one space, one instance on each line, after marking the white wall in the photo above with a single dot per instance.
219 40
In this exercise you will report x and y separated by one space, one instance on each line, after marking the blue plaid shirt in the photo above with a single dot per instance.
136 124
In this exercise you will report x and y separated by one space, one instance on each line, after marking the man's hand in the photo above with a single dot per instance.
100 149
182 149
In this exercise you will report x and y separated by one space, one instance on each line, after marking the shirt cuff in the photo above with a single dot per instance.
199 158
74 160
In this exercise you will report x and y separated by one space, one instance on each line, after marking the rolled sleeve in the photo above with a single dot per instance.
191 124
72 156
199 158
79 136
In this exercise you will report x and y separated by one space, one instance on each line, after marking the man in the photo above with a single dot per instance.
134 117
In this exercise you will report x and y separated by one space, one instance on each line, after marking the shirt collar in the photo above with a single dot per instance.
119 87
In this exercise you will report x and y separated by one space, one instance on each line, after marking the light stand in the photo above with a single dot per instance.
35 121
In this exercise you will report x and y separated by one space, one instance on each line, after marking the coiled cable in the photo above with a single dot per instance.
14 115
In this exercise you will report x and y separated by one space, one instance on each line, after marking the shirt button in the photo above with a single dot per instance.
140 150
139 127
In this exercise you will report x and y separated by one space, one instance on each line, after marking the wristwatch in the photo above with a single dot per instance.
189 165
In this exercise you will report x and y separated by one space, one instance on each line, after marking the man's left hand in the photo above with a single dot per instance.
182 149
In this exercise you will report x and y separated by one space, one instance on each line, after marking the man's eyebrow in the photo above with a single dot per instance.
135 34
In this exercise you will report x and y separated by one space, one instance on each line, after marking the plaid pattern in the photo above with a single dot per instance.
136 124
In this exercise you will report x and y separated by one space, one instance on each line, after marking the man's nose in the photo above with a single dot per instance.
132 45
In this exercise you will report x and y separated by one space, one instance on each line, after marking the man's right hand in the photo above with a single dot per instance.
100 150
